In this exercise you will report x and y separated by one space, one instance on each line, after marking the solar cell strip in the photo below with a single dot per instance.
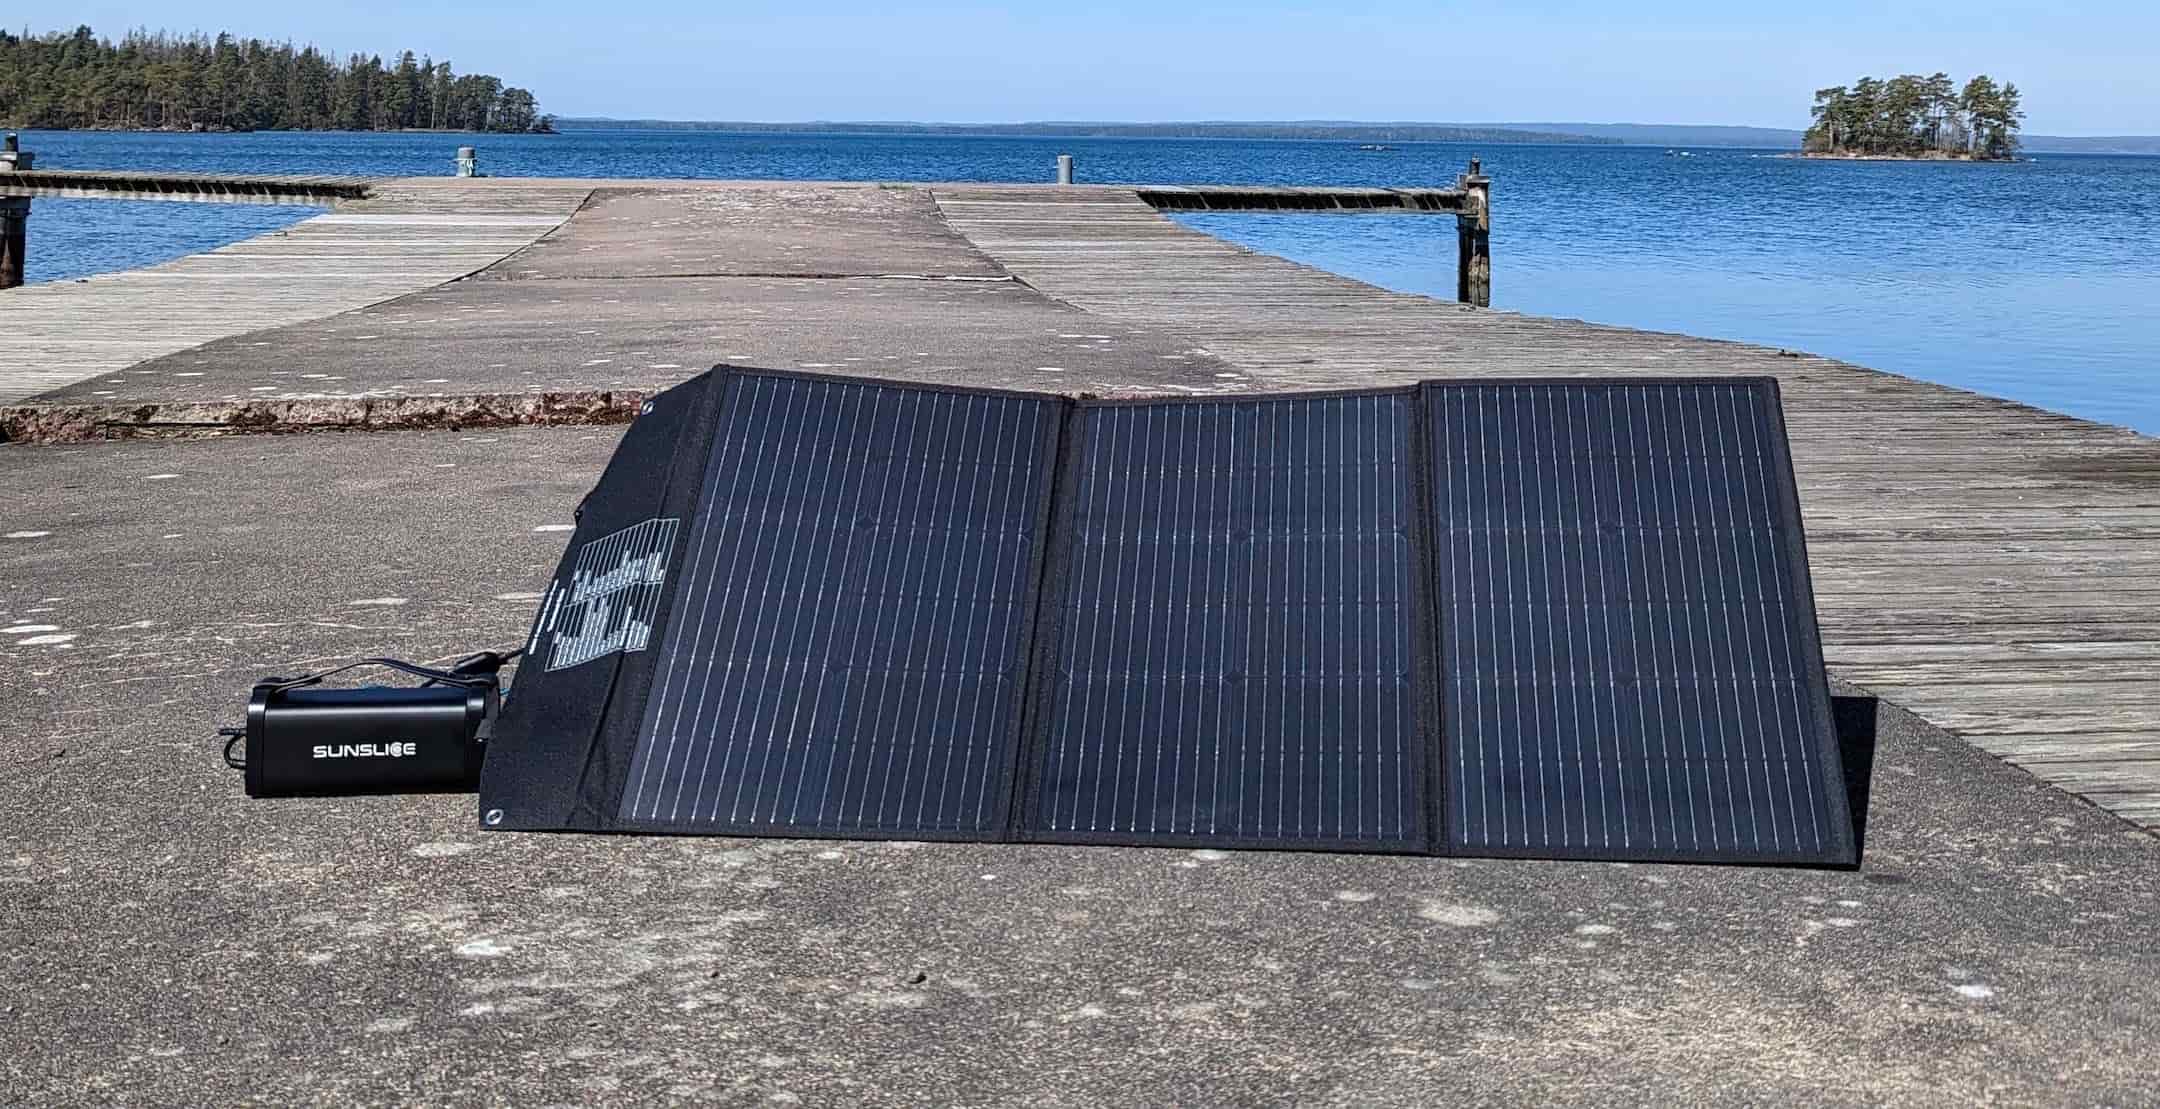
1234 626
1627 649
844 651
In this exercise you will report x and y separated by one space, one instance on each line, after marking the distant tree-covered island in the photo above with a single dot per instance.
157 81
1916 117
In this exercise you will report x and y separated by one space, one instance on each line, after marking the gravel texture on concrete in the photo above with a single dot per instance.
169 941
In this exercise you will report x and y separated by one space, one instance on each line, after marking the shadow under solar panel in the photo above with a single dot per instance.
1629 657
1231 632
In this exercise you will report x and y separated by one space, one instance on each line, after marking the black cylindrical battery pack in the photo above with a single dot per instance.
316 741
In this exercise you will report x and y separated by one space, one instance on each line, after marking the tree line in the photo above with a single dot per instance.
1914 116
166 82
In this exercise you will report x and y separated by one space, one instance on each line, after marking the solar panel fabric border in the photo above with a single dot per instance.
1232 641
590 653
845 653
1629 657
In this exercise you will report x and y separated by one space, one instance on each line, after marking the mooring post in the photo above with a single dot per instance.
1064 169
14 233
14 215
468 162
1473 239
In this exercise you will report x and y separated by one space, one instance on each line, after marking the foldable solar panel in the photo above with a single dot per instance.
1553 618
1629 659
1232 627
842 645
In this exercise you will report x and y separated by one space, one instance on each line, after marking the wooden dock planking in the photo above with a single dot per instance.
403 238
1278 198
1992 567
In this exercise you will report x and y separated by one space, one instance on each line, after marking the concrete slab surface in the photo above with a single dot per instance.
169 941
561 335
650 285
812 231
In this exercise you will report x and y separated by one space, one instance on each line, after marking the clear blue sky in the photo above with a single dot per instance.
2085 68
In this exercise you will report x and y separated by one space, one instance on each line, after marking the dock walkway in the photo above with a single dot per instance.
398 240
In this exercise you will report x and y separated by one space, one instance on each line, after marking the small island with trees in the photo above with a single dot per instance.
156 81
1910 116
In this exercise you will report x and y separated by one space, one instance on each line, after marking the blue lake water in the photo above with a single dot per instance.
2035 281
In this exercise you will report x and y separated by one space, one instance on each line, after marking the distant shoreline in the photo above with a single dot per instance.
1390 131
1771 145
1314 131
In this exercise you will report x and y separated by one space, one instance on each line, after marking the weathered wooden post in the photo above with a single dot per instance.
468 162
14 216
1064 169
1473 239
14 236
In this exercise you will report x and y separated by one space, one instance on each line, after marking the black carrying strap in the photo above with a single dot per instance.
472 671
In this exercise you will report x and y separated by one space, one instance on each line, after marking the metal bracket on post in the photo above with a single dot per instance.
1473 239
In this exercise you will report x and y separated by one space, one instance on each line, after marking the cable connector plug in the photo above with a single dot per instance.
484 663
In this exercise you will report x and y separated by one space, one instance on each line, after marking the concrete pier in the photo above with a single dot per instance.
1989 569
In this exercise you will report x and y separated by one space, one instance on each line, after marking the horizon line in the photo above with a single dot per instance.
1523 125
